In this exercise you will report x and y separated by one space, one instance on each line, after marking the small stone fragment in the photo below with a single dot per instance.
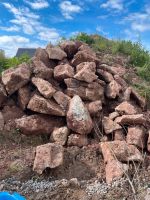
70 47
113 115
1 122
126 108
24 96
104 75
109 125
77 140
119 135
131 119
113 89
62 99
62 72
48 156
94 107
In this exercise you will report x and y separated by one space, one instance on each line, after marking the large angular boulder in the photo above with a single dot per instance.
3 94
131 119
55 53
83 56
24 95
42 55
40 70
121 151
115 170
109 125
62 72
78 117
44 87
137 136
48 156
77 140
126 108
104 75
70 47
113 90
60 135
86 72
38 124
94 107
45 106
15 78
62 99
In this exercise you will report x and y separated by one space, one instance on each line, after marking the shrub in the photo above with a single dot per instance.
83 37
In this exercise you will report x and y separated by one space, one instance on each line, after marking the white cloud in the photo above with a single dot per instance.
68 9
30 24
10 29
113 4
38 4
101 31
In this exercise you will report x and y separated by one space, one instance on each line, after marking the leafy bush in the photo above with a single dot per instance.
83 37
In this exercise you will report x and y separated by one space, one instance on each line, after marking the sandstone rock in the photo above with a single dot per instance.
113 89
77 140
55 53
109 125
118 69
86 72
45 106
148 142
104 75
3 94
40 70
137 136
115 170
62 99
131 119
48 156
70 47
141 101
38 124
15 78
113 115
24 96
127 94
121 151
1 122
94 92
62 72
44 87
120 81
126 108
83 56
42 55
63 61
59 135
94 107
11 113
85 47
78 117
119 135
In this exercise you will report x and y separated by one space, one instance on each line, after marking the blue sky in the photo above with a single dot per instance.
26 23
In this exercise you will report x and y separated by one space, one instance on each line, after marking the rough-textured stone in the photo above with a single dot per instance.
109 125
78 117
70 47
86 72
38 124
62 99
3 94
59 135
40 70
24 95
44 87
104 75
120 81
45 106
77 140
115 170
113 115
141 101
15 78
62 72
83 56
148 142
113 89
55 53
94 107
1 122
121 151
48 156
137 136
119 135
42 55
126 108
131 119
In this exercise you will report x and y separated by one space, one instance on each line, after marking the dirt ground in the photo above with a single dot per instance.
82 175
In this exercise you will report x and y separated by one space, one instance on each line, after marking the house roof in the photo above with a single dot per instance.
29 51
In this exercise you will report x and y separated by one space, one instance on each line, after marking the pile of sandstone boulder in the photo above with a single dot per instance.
75 98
